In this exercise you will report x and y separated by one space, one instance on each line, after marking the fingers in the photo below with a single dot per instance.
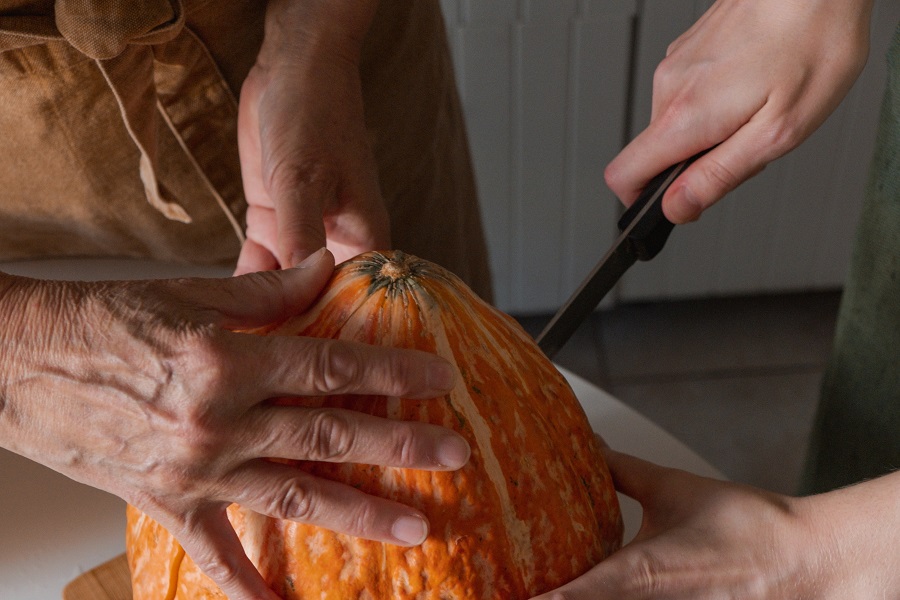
633 476
261 298
213 545
299 366
259 251
586 587
667 495
721 170
253 258
300 193
284 492
334 435
347 210
744 152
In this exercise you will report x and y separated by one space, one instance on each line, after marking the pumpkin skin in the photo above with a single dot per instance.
532 509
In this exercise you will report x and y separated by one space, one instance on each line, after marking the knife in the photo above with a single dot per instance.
644 230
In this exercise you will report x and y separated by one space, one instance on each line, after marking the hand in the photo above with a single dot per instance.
757 78
702 538
309 174
143 389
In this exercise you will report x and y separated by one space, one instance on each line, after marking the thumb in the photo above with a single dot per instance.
263 297
633 476
299 200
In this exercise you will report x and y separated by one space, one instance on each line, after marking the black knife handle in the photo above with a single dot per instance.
649 234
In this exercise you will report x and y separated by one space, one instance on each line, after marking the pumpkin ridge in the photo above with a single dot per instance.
497 337
462 401
177 561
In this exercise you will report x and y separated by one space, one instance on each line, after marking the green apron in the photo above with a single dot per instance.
856 434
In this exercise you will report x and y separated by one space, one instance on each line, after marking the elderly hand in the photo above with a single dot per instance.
142 389
757 78
309 173
701 538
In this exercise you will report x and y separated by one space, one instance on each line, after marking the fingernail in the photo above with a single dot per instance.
441 375
410 530
453 452
309 261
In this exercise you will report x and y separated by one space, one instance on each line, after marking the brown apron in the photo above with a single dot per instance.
118 127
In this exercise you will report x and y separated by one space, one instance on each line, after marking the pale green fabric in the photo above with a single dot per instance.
856 434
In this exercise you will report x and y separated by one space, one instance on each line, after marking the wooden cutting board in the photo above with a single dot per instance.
109 581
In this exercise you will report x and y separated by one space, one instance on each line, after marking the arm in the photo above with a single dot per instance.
142 389
309 174
702 538
757 78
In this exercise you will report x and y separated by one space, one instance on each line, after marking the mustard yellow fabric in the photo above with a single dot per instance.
118 128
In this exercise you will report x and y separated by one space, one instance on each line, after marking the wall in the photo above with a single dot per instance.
553 88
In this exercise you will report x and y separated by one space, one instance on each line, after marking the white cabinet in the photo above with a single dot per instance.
553 88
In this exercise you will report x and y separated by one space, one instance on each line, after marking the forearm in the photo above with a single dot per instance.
333 27
31 315
855 532
12 329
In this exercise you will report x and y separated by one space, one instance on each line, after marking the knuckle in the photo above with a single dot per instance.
673 46
185 401
329 437
662 72
405 449
309 170
722 178
197 445
262 286
301 227
612 175
198 437
666 73
338 366
677 114
782 135
360 523
295 501
182 480
400 374
220 569
207 364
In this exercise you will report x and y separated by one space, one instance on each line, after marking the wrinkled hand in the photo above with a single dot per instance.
143 389
755 77
707 539
309 173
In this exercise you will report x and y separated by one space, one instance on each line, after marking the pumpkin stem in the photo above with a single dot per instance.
396 267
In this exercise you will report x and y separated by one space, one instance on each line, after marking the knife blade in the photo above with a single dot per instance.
644 230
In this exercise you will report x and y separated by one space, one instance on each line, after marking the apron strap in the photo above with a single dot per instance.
156 67
130 77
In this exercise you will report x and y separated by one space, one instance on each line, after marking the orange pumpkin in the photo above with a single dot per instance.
533 508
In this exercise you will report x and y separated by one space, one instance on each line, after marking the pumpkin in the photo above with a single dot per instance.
532 509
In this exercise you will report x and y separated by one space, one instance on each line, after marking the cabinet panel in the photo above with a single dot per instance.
791 227
545 88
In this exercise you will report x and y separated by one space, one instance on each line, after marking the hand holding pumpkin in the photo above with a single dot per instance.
756 78
142 389
702 538
308 169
